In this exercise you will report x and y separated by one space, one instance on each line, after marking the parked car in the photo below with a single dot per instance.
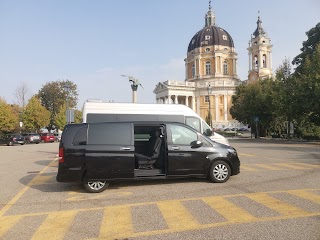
47 137
31 137
57 137
97 153
11 139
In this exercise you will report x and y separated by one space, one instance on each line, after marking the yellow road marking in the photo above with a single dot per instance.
246 168
306 195
176 215
21 192
116 223
85 197
268 167
275 204
55 225
7 222
308 165
289 165
228 210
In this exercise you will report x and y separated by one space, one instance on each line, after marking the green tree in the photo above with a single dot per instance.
61 120
35 115
308 47
8 118
254 102
53 95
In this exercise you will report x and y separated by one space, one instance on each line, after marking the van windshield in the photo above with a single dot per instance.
193 122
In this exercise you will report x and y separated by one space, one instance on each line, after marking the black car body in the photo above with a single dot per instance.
96 153
11 139
31 137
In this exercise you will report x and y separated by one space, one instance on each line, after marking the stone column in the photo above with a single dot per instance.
175 99
216 99
198 105
225 107
193 103
187 103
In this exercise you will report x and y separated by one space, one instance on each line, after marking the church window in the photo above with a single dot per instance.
256 63
208 30
226 49
206 99
207 49
225 67
255 43
193 41
264 42
264 60
193 71
221 99
207 37
208 67
224 37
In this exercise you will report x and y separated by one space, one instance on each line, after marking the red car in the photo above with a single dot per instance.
47 137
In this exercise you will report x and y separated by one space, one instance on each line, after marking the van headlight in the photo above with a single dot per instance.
232 151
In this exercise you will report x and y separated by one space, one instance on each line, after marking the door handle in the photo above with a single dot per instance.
175 148
126 148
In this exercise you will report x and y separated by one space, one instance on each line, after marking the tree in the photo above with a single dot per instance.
8 119
35 115
252 103
61 120
22 95
308 47
53 95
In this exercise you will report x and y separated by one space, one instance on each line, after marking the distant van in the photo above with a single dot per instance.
98 153
98 111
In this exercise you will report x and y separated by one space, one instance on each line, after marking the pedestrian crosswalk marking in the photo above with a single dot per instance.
116 223
268 166
291 165
55 225
306 195
228 210
275 204
176 215
246 168
7 222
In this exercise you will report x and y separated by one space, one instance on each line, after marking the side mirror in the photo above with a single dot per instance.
196 144
208 132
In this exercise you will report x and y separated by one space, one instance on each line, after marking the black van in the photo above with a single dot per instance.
97 153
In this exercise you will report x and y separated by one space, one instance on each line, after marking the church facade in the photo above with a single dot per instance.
211 73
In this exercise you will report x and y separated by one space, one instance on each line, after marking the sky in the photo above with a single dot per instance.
93 43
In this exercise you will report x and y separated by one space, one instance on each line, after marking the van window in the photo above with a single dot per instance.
110 133
193 122
181 135
205 128
81 137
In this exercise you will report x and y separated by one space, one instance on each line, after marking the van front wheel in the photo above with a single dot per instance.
219 172
95 186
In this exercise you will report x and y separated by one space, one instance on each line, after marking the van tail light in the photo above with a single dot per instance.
61 155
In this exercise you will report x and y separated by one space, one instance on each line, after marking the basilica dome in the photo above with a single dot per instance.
210 36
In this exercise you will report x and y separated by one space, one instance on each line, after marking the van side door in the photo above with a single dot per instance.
110 151
183 159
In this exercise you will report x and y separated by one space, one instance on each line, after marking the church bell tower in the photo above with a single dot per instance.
260 54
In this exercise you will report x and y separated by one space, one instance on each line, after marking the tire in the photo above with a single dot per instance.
95 186
219 172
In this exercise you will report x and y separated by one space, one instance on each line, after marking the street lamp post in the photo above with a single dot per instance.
209 89
66 88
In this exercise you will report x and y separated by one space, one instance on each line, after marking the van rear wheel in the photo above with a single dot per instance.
95 186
